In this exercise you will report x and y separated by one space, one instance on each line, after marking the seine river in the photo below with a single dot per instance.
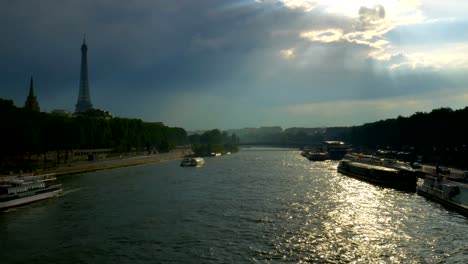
259 205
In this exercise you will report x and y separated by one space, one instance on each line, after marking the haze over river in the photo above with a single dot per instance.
258 205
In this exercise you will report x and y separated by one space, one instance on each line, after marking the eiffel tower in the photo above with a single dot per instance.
84 99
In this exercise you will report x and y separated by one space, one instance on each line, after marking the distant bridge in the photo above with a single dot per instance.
278 144
268 148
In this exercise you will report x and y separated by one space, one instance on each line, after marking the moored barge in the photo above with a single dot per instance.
397 177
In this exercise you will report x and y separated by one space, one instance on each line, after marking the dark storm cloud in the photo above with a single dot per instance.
144 43
143 53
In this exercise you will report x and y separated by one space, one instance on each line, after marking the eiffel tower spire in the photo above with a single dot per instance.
31 88
84 98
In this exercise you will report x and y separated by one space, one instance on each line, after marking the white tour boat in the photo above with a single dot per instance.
20 190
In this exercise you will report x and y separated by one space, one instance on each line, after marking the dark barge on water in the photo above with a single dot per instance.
381 172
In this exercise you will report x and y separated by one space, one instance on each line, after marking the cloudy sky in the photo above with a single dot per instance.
230 64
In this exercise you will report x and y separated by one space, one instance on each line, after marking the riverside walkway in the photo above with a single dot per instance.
111 163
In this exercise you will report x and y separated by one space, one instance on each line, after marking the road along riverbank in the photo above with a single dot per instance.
111 163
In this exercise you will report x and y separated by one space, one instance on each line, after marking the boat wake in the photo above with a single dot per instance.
69 191
9 210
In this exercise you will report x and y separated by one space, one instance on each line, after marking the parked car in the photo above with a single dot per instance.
416 165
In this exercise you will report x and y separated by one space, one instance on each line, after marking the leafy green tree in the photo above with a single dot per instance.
213 141
27 132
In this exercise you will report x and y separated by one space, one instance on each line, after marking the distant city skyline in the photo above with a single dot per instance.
232 64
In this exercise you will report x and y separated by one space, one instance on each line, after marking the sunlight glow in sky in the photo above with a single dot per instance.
247 63
348 7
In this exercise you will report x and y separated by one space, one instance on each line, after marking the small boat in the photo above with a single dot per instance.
329 150
446 191
314 155
20 190
317 156
336 150
192 162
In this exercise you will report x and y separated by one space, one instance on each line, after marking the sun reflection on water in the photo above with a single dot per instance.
365 222
346 221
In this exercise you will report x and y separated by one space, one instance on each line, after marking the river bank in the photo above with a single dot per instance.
254 206
111 163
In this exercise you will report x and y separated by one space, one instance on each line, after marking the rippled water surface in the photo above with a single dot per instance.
259 205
